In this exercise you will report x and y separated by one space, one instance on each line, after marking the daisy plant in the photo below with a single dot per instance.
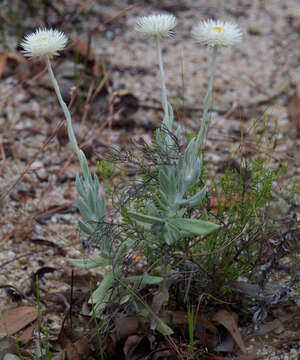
214 34
43 44
167 217
170 209
179 173
157 27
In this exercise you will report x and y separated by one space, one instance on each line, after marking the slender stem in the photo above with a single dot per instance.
64 107
164 99
165 277
72 138
208 96
39 316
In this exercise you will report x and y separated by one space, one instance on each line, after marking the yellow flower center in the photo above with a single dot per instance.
44 38
218 28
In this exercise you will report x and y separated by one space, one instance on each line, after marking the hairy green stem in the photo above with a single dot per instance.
72 138
207 99
165 276
164 99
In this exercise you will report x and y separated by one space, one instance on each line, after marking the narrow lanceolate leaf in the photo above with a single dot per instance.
80 186
146 218
84 209
162 204
163 181
144 279
171 234
163 328
194 200
194 226
87 264
84 228
92 200
99 295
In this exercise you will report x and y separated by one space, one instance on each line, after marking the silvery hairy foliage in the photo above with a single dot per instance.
168 208
170 204
91 204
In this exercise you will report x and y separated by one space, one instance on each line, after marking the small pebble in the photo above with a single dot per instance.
11 357
293 352
254 30
7 344
23 261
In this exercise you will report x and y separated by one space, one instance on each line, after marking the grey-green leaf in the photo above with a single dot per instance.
100 294
196 199
145 279
87 264
146 218
194 226
84 228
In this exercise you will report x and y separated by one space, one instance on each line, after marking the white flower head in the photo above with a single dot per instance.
157 26
217 33
44 42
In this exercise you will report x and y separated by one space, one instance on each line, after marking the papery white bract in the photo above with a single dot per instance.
217 33
44 42
156 25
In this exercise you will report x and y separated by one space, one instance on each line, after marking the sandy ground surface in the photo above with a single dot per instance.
256 80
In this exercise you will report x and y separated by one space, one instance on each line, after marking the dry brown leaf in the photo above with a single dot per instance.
15 319
126 326
82 348
111 346
9 61
71 351
181 317
294 112
3 59
76 349
163 351
229 321
28 333
131 343
17 57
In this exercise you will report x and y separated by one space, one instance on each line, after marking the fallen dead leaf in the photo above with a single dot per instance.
15 319
76 349
131 343
81 278
181 317
28 333
3 58
229 321
163 351
294 112
126 326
